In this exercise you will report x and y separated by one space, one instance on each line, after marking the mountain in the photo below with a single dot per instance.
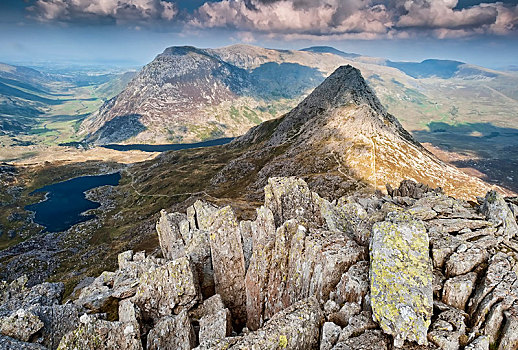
341 136
189 94
329 49
444 69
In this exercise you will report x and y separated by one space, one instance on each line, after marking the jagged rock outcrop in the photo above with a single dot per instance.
310 282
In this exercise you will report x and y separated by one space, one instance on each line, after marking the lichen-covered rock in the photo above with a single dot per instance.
172 333
168 289
401 278
204 214
296 328
496 209
217 325
169 236
263 235
228 261
457 290
96 334
20 325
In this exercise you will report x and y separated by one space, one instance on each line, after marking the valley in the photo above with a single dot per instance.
123 122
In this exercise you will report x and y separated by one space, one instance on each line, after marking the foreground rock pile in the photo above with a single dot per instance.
424 271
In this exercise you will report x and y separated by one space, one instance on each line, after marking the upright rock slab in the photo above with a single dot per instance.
228 261
496 210
401 278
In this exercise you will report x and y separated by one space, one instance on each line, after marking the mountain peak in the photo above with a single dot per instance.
344 87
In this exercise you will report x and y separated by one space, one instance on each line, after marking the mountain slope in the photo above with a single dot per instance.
342 132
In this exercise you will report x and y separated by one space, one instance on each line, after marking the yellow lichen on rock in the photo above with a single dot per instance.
401 278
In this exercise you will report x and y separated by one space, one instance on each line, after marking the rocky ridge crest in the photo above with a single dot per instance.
425 271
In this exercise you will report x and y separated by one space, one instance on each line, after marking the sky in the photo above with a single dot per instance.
133 32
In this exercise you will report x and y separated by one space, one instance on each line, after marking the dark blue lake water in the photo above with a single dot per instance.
66 201
169 147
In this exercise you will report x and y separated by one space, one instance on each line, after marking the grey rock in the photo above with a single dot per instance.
214 326
228 261
263 235
8 343
21 325
496 210
96 334
169 235
342 316
245 227
168 289
172 333
372 339
57 320
509 338
446 331
330 334
457 290
354 284
462 262
401 278
481 343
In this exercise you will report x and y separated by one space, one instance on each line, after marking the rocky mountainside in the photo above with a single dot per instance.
417 272
340 138
189 94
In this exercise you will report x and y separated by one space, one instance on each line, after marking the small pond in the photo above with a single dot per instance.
65 201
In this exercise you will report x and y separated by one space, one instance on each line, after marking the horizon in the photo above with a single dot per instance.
133 32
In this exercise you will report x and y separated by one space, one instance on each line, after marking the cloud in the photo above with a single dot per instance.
295 19
103 10
368 19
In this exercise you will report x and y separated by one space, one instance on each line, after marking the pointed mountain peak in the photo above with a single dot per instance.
344 86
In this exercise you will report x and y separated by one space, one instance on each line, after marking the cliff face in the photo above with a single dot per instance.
429 272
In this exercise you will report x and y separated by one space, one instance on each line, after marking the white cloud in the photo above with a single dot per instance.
368 19
114 10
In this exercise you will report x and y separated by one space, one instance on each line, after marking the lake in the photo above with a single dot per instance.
65 201
169 147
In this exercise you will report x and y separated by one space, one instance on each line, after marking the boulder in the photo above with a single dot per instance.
465 259
57 320
172 333
496 210
447 330
509 338
401 278
96 334
217 325
330 334
21 325
457 290
167 289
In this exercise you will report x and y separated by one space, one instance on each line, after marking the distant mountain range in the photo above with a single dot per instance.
188 94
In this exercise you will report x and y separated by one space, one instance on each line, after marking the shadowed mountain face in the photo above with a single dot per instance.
340 138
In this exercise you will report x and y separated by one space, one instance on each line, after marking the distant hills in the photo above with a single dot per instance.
329 49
